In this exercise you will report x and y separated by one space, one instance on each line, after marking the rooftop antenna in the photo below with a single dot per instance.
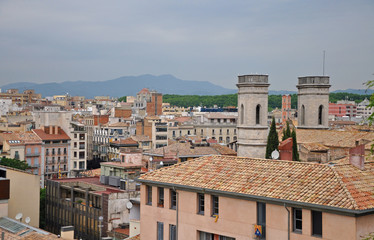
323 67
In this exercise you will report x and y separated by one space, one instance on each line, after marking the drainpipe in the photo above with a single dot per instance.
177 210
288 221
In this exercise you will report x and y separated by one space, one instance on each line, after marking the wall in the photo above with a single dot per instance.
364 226
237 219
24 195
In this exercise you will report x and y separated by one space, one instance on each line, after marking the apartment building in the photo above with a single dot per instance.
238 198
147 103
363 110
155 128
78 147
218 126
80 202
55 152
24 194
27 97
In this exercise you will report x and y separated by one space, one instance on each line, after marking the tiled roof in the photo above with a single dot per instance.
141 138
183 149
127 141
44 136
340 186
119 124
136 237
223 150
221 116
331 138
314 147
144 90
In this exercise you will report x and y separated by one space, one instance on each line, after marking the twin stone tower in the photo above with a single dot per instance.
313 109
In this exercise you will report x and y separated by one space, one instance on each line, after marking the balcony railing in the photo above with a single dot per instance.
32 154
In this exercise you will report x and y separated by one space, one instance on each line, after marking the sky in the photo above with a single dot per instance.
202 40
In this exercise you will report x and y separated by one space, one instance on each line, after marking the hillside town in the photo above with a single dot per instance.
141 168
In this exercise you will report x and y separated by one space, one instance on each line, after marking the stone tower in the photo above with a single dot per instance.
253 111
313 102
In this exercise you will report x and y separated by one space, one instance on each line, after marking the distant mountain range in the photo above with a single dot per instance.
130 85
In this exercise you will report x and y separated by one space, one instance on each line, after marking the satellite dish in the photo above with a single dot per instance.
128 205
275 154
162 163
151 159
27 220
19 216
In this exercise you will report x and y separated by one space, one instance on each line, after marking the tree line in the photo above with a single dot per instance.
275 101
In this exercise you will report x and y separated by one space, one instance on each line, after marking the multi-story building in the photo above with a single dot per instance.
55 152
218 126
286 108
27 97
147 103
82 202
24 195
221 197
78 147
104 135
343 109
363 110
155 128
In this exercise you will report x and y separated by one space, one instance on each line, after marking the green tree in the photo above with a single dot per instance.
42 208
122 99
286 132
14 163
295 153
273 140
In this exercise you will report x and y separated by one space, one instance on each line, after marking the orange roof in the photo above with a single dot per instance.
127 141
340 186
45 136
144 90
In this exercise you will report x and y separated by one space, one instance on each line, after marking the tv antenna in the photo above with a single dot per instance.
323 66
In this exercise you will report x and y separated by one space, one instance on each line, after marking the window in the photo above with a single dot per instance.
215 205
317 223
16 155
320 119
200 200
160 231
173 199
297 220
258 110
242 114
302 115
149 195
211 236
261 217
172 232
160 197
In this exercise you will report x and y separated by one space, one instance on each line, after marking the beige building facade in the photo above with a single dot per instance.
313 102
253 110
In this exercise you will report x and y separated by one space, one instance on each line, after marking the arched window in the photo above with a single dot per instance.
258 110
320 116
302 115
242 114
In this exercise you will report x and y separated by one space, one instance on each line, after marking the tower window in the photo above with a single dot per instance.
320 110
242 114
302 115
258 110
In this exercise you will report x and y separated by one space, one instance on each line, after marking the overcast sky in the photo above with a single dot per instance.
70 40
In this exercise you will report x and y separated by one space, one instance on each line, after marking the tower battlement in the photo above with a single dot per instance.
314 80
253 79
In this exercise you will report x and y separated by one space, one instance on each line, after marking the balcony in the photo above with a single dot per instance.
32 154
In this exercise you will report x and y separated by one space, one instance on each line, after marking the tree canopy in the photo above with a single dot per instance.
274 101
273 141
14 163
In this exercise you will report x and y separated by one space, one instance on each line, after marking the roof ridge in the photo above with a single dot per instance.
341 183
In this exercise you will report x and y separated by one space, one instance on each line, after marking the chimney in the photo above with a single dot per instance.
67 232
56 129
50 129
357 156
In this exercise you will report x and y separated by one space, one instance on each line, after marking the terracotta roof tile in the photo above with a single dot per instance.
45 136
341 186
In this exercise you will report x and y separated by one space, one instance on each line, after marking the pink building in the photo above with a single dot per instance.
340 110
224 197
286 108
